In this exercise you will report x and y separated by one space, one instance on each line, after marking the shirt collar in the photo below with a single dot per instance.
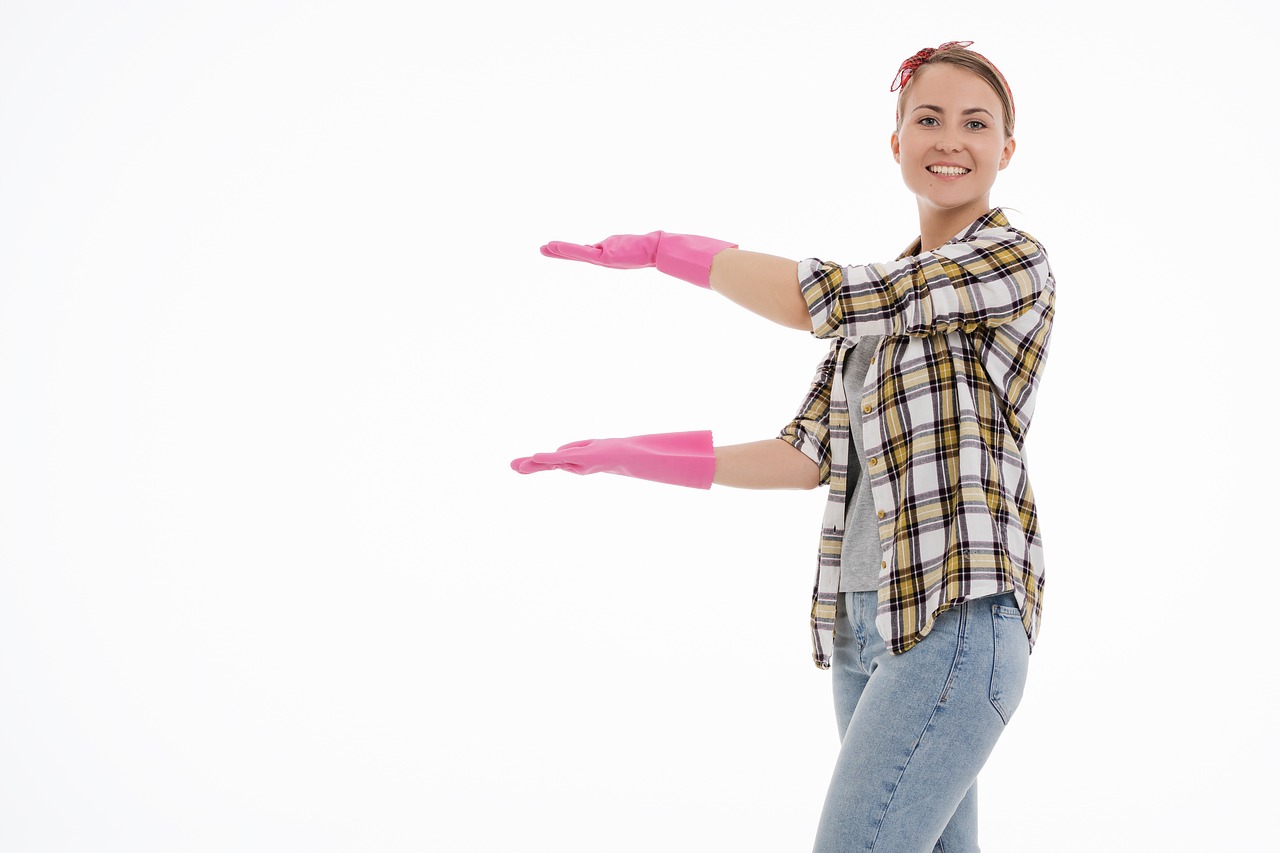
993 218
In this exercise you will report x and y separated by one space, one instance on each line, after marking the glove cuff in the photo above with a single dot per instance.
688 257
676 458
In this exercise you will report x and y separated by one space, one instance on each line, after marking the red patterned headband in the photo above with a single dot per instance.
912 63
920 57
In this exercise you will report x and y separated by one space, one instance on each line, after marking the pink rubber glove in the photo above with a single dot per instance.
681 255
678 458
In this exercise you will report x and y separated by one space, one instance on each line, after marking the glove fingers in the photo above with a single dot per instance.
572 252
536 462
523 465
543 462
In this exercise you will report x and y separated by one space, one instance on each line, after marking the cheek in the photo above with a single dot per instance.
910 151
993 156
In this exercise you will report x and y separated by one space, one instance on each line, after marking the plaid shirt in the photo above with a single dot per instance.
944 411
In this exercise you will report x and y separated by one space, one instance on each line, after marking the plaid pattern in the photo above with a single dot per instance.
944 411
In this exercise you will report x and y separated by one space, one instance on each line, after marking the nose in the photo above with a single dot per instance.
949 142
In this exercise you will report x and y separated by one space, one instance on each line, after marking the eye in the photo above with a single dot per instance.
928 119
975 124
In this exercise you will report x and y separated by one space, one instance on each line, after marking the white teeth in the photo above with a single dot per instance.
948 170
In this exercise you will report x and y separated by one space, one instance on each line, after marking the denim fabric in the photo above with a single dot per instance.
917 727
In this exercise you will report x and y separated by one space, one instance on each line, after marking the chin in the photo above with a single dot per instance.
947 203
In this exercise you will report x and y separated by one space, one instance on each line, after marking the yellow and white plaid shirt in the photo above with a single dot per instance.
945 408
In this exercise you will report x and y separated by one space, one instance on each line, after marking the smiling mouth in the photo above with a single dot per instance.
949 171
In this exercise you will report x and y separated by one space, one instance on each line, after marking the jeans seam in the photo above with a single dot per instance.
961 634
994 695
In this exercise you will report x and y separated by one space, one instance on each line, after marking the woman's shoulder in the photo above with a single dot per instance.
996 227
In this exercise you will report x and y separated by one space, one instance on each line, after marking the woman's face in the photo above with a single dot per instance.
951 143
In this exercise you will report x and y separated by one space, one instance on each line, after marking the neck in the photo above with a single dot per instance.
938 225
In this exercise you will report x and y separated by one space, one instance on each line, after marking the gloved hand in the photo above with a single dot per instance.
678 458
681 255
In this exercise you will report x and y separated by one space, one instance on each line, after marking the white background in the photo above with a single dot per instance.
273 321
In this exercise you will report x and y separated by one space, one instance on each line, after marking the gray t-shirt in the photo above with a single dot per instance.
860 551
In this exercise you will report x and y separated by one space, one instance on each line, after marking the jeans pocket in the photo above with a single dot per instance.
1009 663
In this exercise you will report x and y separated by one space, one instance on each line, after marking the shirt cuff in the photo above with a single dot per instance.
813 451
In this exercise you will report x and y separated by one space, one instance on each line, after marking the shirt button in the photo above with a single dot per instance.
873 461
883 564
866 409
880 514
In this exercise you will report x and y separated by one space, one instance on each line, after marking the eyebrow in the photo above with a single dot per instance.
941 111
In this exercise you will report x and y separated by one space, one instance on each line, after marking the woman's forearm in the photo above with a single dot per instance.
769 464
763 284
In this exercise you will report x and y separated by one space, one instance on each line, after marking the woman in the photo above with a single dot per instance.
930 570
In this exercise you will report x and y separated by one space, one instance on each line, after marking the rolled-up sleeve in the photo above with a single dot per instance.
986 280
808 431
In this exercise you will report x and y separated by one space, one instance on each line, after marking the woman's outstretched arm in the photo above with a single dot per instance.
768 464
763 284
682 459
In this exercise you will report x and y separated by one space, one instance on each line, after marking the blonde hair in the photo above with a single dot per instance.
978 64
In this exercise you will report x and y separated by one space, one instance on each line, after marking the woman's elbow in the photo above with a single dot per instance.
799 323
794 313
809 477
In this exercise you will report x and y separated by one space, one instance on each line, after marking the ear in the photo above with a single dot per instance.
896 147
1007 153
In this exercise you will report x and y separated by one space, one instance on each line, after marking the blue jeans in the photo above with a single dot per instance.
917 727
